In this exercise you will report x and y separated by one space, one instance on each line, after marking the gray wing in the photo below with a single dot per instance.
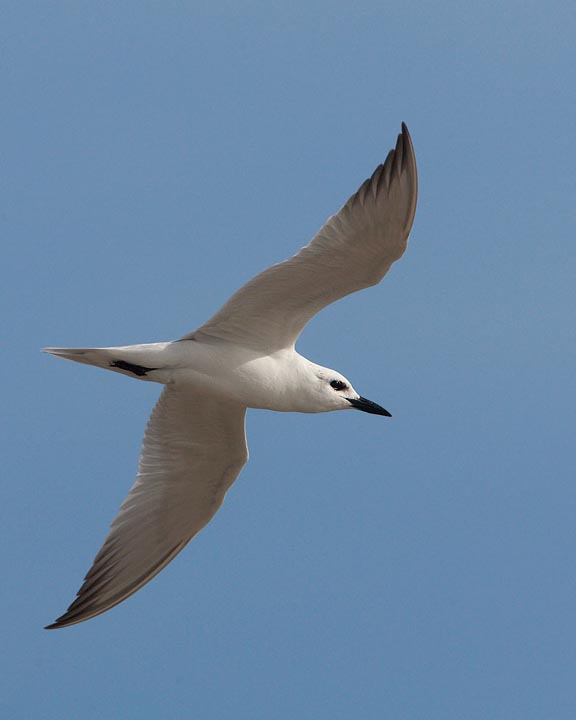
354 250
194 448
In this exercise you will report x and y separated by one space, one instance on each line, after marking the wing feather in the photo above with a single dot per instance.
193 450
354 250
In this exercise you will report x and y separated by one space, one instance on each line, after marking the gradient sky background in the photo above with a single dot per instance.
156 156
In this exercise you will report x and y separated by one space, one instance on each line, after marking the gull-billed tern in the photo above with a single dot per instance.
243 357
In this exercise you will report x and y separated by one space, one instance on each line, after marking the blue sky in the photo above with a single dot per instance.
157 155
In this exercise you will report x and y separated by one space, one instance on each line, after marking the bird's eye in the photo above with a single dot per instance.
337 384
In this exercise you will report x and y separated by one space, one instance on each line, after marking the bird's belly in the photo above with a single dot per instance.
235 374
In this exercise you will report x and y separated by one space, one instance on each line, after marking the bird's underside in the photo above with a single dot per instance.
195 446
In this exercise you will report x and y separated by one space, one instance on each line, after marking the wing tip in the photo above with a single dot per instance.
88 605
400 160
74 616
408 166
409 156
69 618
61 622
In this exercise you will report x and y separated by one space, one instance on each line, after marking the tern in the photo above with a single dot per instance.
244 357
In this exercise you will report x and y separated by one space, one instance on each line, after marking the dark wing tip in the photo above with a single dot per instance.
407 166
54 626
399 160
69 618
88 604
398 169
409 157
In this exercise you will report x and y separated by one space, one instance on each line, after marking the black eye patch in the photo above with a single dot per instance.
337 384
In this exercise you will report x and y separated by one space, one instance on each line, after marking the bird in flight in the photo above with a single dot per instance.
244 357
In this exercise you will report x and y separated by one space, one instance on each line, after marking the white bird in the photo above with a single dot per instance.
244 356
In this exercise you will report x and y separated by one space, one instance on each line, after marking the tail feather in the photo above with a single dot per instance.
101 357
130 360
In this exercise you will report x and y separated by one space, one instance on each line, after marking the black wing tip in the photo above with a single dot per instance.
406 136
85 607
396 162
409 156
73 617
69 618
57 624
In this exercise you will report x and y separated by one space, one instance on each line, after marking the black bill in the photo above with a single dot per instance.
368 406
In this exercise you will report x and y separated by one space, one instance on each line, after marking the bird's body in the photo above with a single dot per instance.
225 370
243 357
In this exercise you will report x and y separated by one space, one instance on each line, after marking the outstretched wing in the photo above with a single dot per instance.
354 250
193 450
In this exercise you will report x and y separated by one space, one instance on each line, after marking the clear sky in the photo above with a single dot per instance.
156 155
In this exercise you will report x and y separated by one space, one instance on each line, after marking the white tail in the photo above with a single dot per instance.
132 360
101 357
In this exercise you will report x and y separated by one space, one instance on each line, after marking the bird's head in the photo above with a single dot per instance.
332 391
